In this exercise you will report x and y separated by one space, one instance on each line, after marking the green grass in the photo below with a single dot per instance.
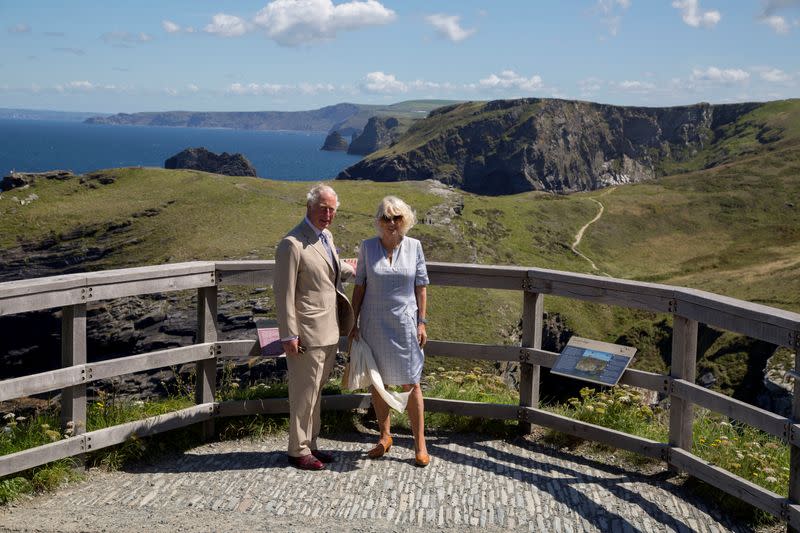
740 449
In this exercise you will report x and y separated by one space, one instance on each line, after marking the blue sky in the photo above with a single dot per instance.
303 54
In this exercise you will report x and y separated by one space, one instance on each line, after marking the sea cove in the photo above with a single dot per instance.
40 145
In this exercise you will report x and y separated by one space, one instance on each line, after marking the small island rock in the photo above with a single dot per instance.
334 142
202 159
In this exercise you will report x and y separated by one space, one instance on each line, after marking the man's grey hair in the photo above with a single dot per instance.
312 198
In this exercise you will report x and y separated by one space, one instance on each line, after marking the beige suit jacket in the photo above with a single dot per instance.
308 295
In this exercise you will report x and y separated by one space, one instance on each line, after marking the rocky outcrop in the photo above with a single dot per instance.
380 132
16 180
334 142
202 159
512 146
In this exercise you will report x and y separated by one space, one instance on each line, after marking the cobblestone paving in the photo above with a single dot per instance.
471 484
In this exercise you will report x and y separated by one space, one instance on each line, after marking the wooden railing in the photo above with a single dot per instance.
688 308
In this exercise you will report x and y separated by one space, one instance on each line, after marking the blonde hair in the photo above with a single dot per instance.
392 206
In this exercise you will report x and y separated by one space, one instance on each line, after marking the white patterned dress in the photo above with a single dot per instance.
388 317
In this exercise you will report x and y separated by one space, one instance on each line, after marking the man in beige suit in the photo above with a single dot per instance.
313 313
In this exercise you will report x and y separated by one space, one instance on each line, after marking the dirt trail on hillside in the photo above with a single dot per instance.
579 235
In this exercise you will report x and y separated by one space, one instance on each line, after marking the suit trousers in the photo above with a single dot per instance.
308 373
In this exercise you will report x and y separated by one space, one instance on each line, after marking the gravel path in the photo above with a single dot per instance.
472 484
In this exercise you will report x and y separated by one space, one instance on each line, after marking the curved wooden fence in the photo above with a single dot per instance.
688 308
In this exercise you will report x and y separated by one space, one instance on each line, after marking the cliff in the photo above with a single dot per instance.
511 146
379 132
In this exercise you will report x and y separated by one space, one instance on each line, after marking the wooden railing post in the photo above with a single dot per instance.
794 451
73 352
529 374
206 370
683 366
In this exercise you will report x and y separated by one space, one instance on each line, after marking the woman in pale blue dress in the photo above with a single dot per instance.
389 301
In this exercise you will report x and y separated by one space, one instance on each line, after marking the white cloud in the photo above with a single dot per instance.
192 88
508 79
636 86
448 26
19 28
693 16
315 88
124 39
718 75
296 22
609 11
590 85
170 27
777 23
379 82
256 89
774 75
227 25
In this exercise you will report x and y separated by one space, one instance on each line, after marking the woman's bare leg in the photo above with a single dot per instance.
416 416
382 414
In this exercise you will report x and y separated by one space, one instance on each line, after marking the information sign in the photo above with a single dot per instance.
595 361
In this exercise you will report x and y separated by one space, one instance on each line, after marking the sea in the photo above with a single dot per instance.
41 145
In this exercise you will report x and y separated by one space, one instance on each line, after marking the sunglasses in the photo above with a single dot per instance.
396 218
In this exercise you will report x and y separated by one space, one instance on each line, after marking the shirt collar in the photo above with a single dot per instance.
317 231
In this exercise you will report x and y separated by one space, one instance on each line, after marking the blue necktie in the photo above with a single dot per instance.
327 246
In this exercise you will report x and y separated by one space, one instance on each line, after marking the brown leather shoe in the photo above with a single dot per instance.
379 450
422 459
306 462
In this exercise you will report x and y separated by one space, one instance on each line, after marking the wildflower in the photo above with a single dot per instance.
724 424
21 419
70 424
7 429
440 369
52 435
739 455
590 408
768 470
9 416
45 426
625 399
771 479
600 410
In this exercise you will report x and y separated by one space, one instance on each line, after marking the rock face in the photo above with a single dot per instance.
334 142
380 132
202 159
512 146
16 180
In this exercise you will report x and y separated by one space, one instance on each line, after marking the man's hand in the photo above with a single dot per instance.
292 347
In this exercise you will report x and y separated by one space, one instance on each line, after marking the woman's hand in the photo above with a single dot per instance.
422 335
354 334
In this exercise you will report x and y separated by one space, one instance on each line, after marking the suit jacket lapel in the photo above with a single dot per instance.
316 244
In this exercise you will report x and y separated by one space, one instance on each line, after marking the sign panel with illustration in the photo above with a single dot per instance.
595 361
